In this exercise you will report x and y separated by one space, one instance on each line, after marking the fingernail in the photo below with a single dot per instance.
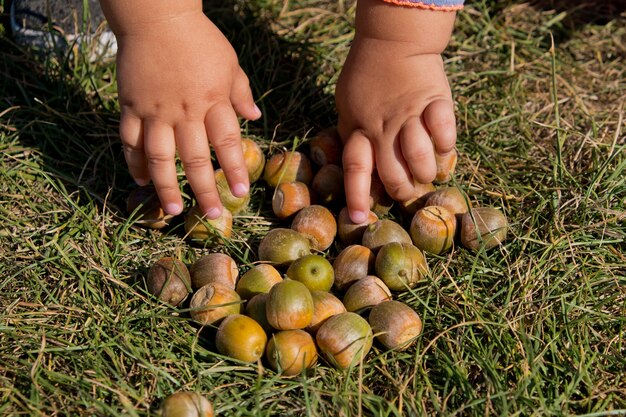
240 190
257 111
213 213
358 216
173 209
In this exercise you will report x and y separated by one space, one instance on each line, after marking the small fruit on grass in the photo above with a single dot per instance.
214 267
366 293
352 263
380 202
344 339
400 265
287 167
325 305
326 148
314 271
240 337
382 232
318 223
289 198
186 404
213 302
255 308
445 166
149 210
423 191
258 279
487 229
351 233
289 306
452 198
328 186
291 351
169 280
395 324
254 158
233 204
199 228
282 246
433 229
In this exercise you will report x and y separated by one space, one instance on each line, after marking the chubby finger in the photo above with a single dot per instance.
440 122
417 150
222 128
194 152
358 163
392 168
160 150
241 98
131 134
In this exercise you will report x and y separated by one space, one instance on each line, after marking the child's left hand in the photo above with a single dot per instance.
395 112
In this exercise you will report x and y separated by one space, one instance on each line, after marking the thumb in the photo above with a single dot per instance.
241 97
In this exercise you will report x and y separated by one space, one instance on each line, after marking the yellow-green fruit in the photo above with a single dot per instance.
213 302
353 263
199 228
168 279
487 229
254 158
258 279
240 337
318 223
433 229
400 265
289 306
366 293
149 212
214 267
288 167
291 351
282 246
325 305
344 340
314 271
395 324
186 404
233 204
384 231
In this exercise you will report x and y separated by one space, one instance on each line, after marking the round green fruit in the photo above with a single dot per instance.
240 337
314 271
289 306
400 265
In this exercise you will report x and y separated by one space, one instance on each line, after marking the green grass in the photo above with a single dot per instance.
535 327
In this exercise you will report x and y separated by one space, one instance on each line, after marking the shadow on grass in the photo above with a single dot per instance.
66 110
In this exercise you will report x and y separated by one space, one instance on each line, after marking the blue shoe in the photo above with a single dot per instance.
57 25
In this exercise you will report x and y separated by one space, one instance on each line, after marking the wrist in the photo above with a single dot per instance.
427 31
140 16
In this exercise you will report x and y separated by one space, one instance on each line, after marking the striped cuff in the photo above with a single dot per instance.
440 5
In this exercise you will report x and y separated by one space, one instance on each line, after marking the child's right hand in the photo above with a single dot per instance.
180 88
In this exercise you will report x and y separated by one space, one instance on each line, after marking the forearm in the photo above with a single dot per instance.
131 16
428 30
